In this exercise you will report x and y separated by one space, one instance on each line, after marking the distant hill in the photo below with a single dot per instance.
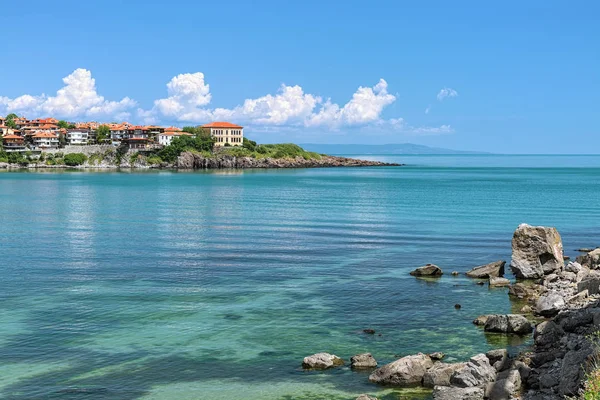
401 148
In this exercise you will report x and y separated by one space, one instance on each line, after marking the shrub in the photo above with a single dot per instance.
152 160
74 159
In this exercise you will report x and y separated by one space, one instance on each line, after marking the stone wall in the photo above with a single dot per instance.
87 150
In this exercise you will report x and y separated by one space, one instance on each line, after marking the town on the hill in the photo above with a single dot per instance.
20 134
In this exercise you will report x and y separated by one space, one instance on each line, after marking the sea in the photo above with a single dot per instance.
216 284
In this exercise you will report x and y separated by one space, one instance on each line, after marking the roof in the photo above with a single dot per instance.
138 138
222 125
41 135
12 137
175 133
172 129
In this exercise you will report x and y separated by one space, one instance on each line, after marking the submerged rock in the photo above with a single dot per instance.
457 393
322 361
536 251
508 323
405 372
366 397
427 270
494 269
499 282
364 360
369 331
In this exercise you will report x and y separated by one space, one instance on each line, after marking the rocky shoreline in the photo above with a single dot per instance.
562 312
191 161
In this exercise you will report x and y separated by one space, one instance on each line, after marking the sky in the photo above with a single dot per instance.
503 77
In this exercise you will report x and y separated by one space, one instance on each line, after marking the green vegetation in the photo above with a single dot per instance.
196 130
283 150
154 160
62 124
10 120
62 140
74 159
102 134
592 380
199 142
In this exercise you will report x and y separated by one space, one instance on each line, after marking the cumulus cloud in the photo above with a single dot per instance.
189 96
78 98
446 93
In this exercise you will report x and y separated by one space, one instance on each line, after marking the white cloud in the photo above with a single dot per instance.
446 93
428 109
78 98
189 96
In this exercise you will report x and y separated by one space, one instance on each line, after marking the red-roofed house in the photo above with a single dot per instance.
13 143
226 132
45 140
137 138
167 136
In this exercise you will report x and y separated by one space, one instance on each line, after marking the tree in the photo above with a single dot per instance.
10 121
102 133
71 126
249 144
62 140
63 124
180 144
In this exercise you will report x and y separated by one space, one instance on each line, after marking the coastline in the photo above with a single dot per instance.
197 161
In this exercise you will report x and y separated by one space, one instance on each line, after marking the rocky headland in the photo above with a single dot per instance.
562 311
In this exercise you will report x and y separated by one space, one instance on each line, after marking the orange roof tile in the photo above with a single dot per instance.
222 125
12 137
40 135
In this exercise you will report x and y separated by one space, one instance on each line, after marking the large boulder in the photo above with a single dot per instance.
547 333
505 387
406 372
590 260
440 373
457 393
427 270
591 283
508 323
476 372
524 291
572 371
491 270
536 251
322 361
498 358
549 304
364 360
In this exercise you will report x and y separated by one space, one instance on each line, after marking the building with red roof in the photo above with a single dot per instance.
226 133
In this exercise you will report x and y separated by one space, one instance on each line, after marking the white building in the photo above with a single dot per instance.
165 138
45 140
77 137
226 132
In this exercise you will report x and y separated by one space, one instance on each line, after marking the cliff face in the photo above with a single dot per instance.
189 160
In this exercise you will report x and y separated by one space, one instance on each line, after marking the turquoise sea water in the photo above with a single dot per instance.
215 285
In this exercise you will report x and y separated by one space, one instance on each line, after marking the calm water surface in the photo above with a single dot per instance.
165 285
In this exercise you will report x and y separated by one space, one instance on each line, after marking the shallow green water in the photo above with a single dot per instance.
163 285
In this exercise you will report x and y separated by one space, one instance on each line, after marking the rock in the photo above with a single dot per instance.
405 372
549 279
571 320
481 320
572 371
526 309
590 260
566 258
440 373
476 372
573 267
369 331
480 283
322 361
427 270
536 251
549 304
591 283
547 333
522 291
457 306
499 282
568 276
491 270
365 396
454 273
364 360
508 323
505 386
498 358
578 297
585 250
457 393
437 356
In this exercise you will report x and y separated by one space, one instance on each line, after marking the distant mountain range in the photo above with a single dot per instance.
401 148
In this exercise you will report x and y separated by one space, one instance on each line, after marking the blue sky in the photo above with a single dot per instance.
520 77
